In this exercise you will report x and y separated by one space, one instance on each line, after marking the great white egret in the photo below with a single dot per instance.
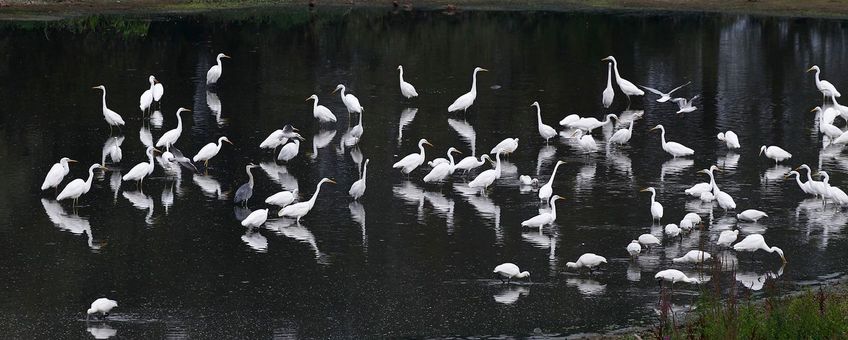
406 89
626 86
674 276
443 170
585 141
587 260
171 136
608 94
672 230
664 97
215 71
751 215
755 242
413 160
299 210
357 189
102 306
350 101
78 187
527 180
634 248
143 169
833 193
321 112
255 219
506 146
210 150
146 99
111 117
817 188
695 218
510 271
279 137
546 190
545 130
590 123
622 136
825 87
700 188
56 174
471 162
685 105
826 126
466 100
730 139
545 218
727 237
648 240
725 201
656 207
282 198
672 148
693 256
805 186
158 92
245 191
486 178
289 151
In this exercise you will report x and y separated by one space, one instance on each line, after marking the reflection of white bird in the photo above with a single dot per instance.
406 117
442 170
112 148
656 207
648 240
506 146
406 89
664 97
215 71
673 148
466 100
755 242
357 189
684 105
299 210
730 139
111 117
510 271
547 190
751 215
255 241
102 306
587 260
171 136
693 256
256 218
727 237
101 331
282 198
626 86
545 130
775 153
608 94
78 187
321 112
674 276
350 101
413 160
634 248
57 173
545 218
511 295
825 87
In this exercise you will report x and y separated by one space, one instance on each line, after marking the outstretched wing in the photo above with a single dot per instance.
655 91
679 87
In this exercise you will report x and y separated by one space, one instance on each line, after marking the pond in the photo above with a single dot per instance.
408 259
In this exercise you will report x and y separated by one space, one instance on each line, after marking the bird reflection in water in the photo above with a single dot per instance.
728 162
71 223
141 201
546 156
357 212
819 221
466 133
145 136
511 294
539 239
411 194
587 287
115 184
321 140
210 186
241 212
214 104
675 166
280 175
112 149
255 241
485 207
754 281
443 206
156 120
406 117
634 272
300 234
357 157
101 331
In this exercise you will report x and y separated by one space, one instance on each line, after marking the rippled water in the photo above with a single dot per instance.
410 258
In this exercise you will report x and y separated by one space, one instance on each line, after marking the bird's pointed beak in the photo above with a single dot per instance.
809 69
225 56
156 150
428 143
228 141
104 168
814 109
308 98
72 161
331 181
295 129
646 189
484 70
785 176
653 128
334 91
300 137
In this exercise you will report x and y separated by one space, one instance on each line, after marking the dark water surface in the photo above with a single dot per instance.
409 259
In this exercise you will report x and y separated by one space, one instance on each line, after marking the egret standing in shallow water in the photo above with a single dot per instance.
289 151
693 256
543 219
827 89
350 101
587 260
357 189
469 163
775 153
210 150
299 210
171 136
634 248
545 130
111 117
622 136
656 207
406 89
608 94
321 112
672 148
486 178
727 237
215 71
730 139
751 215
547 190
510 271
255 219
442 170
282 198
102 306
413 160
466 100
78 187
674 276
626 86
279 137
143 169
56 174
506 146
805 186
245 191
664 97
146 99
755 242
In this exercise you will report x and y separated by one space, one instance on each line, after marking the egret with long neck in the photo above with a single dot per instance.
299 210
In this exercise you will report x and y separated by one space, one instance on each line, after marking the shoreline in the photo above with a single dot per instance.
55 10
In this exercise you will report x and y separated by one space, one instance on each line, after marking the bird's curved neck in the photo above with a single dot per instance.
315 103
631 125
315 195
539 114
551 180
65 167
474 83
401 75
364 170
553 209
249 177
450 156
653 196
179 121
498 164
219 61
342 93
104 97
220 143
712 180
818 80
609 75
360 119
90 177
421 149
809 175
615 67
798 179
662 135
150 157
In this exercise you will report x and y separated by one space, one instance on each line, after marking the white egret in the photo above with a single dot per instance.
842 139
825 87
471 163
146 99
730 139
143 169
486 178
675 276
210 150
685 105
245 191
693 256
622 136
102 306
806 187
355 133
282 198
255 219
321 112
725 201
545 218
350 101
755 242
78 187
406 89
171 136
664 97
56 174
727 237
627 87
775 153
835 194
587 260
357 189
442 170
280 137
672 230
842 110
527 180
413 160
215 71
656 207
590 123
817 188
545 130
648 240
289 151
751 215
634 248
299 210
585 141
111 117
700 188
158 92
826 126
568 120
686 225
506 146
510 271
695 218
673 148
466 100
608 94
546 190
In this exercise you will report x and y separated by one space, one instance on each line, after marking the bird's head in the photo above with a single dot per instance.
99 87
298 136
424 142
658 127
221 55
339 87
182 109
151 79
609 58
400 68
715 168
762 149
453 149
312 97
813 68
536 104
648 189
780 253
480 69
817 108
523 274
225 139
555 198
327 180
486 157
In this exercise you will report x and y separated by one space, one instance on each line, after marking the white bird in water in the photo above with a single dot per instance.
146 99
406 89
622 136
510 271
825 87
78 187
673 148
102 306
255 219
547 190
442 170
413 160
805 186
545 130
775 153
111 117
755 242
698 189
672 230
725 201
289 151
357 189
587 260
470 163
299 210
626 86
56 174
664 97
585 141
143 169
608 94
282 198
730 139
527 180
350 101
171 136
210 150
587 124
727 237
506 146
215 71
648 240
545 218
656 207
817 188
833 193
674 276
321 112
693 256
634 248
466 100
486 178
280 137
751 215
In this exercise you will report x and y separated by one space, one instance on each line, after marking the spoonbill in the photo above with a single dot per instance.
587 260
510 271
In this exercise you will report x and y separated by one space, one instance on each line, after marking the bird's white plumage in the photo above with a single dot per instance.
825 87
143 169
321 112
298 210
413 160
282 198
693 256
547 190
751 215
730 139
78 187
546 131
255 219
56 174
587 260
215 71
608 94
350 101
673 148
406 89
656 207
289 151
755 242
111 117
442 170
648 240
626 86
357 189
727 237
466 100
510 271
171 136
634 248
146 99
210 150
102 306
672 230
664 96
776 153
545 218
674 276
486 178
506 146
